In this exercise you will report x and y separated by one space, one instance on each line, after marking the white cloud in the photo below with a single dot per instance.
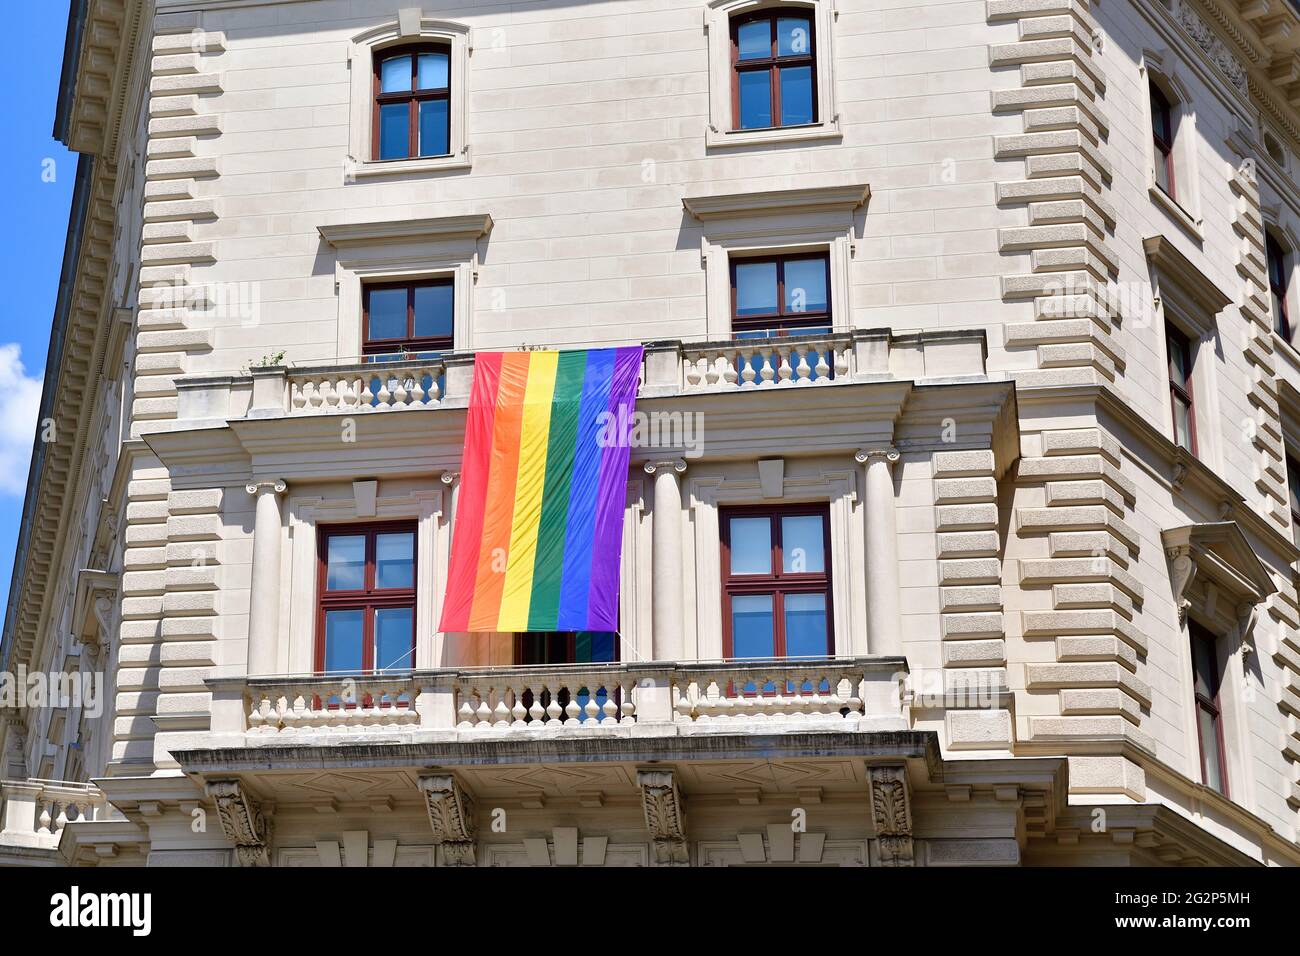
20 404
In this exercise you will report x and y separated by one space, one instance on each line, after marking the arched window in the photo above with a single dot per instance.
1279 282
1164 127
774 68
412 102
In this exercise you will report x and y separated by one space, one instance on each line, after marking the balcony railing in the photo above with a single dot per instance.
766 696
36 811
401 382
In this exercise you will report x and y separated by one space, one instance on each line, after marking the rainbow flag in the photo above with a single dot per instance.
539 520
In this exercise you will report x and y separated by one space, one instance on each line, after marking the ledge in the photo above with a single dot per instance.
708 207
407 230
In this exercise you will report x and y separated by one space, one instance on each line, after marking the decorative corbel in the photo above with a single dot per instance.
891 813
1179 475
451 816
1247 615
664 815
242 821
1182 572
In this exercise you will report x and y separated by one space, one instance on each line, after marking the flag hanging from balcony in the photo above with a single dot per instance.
539 519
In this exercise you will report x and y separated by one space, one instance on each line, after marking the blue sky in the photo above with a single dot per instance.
32 247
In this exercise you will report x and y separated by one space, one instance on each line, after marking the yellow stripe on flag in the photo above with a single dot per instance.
533 441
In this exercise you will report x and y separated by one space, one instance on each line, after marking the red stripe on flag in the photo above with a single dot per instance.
473 492
502 486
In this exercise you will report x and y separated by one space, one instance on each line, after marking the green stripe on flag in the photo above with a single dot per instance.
544 608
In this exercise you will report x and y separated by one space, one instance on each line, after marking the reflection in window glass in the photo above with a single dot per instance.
755 288
433 71
394 638
387 313
343 641
395 560
434 129
751 545
805 625
751 626
754 40
755 100
394 136
346 565
793 36
796 96
805 285
395 75
802 549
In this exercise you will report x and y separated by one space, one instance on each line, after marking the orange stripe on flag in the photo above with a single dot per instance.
499 514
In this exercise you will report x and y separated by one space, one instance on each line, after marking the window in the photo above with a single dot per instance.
412 115
781 294
1278 283
366 605
1206 678
1180 388
1162 132
776 592
566 647
407 316
774 63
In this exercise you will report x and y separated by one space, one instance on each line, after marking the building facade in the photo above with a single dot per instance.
960 526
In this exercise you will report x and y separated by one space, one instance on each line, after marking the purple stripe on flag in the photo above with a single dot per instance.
611 495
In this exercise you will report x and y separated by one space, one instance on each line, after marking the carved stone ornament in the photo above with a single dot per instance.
451 816
242 821
1182 572
890 455
664 816
1215 49
891 813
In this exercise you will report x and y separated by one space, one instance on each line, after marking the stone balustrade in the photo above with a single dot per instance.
34 812
771 691
671 368
650 698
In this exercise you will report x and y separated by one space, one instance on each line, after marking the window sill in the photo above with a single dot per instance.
354 170
1180 215
714 138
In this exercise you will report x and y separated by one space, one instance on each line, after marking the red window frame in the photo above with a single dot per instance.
1278 285
776 582
781 322
369 598
1208 704
1177 342
1162 135
409 343
773 64
412 97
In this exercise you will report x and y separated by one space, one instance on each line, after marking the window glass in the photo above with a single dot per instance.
1182 424
755 288
755 100
751 545
395 560
346 563
796 95
793 36
754 41
395 74
387 308
1211 752
433 311
432 71
751 626
343 640
805 285
805 625
802 550
394 633
434 131
394 135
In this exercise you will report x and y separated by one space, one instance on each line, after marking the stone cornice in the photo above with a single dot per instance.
97 73
439 229
775 202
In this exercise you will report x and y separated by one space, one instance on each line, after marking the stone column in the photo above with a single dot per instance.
666 612
264 591
883 634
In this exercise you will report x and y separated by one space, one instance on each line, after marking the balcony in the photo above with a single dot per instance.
830 695
671 368
35 812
